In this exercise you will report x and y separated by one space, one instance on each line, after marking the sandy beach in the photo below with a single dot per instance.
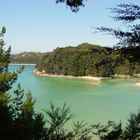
138 83
43 74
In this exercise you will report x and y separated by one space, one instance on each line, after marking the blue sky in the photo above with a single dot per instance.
42 25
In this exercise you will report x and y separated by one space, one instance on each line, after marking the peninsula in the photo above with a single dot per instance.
87 60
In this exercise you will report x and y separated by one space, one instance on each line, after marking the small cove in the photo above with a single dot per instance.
112 99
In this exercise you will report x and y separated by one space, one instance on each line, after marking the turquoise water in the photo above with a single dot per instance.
91 101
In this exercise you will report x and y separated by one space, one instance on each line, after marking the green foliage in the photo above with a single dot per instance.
27 108
57 117
18 119
81 131
56 120
91 60
28 124
18 102
111 131
6 78
6 81
129 34
132 129
114 131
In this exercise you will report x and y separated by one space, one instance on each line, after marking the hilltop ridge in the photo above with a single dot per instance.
91 60
26 57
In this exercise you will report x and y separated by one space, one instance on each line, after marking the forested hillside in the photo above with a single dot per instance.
86 59
26 57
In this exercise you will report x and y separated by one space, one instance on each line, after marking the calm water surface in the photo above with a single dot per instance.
90 101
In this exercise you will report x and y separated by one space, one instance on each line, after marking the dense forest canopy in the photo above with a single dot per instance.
91 60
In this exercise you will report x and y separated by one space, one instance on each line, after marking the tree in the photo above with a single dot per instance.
28 124
110 131
6 81
57 117
132 129
129 15
6 78
18 120
84 59
73 4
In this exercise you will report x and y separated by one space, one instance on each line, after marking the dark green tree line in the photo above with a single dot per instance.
91 60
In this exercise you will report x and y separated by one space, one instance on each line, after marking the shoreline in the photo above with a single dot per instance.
116 76
43 74
97 79
22 64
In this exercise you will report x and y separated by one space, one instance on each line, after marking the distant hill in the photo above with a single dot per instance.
87 59
26 57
